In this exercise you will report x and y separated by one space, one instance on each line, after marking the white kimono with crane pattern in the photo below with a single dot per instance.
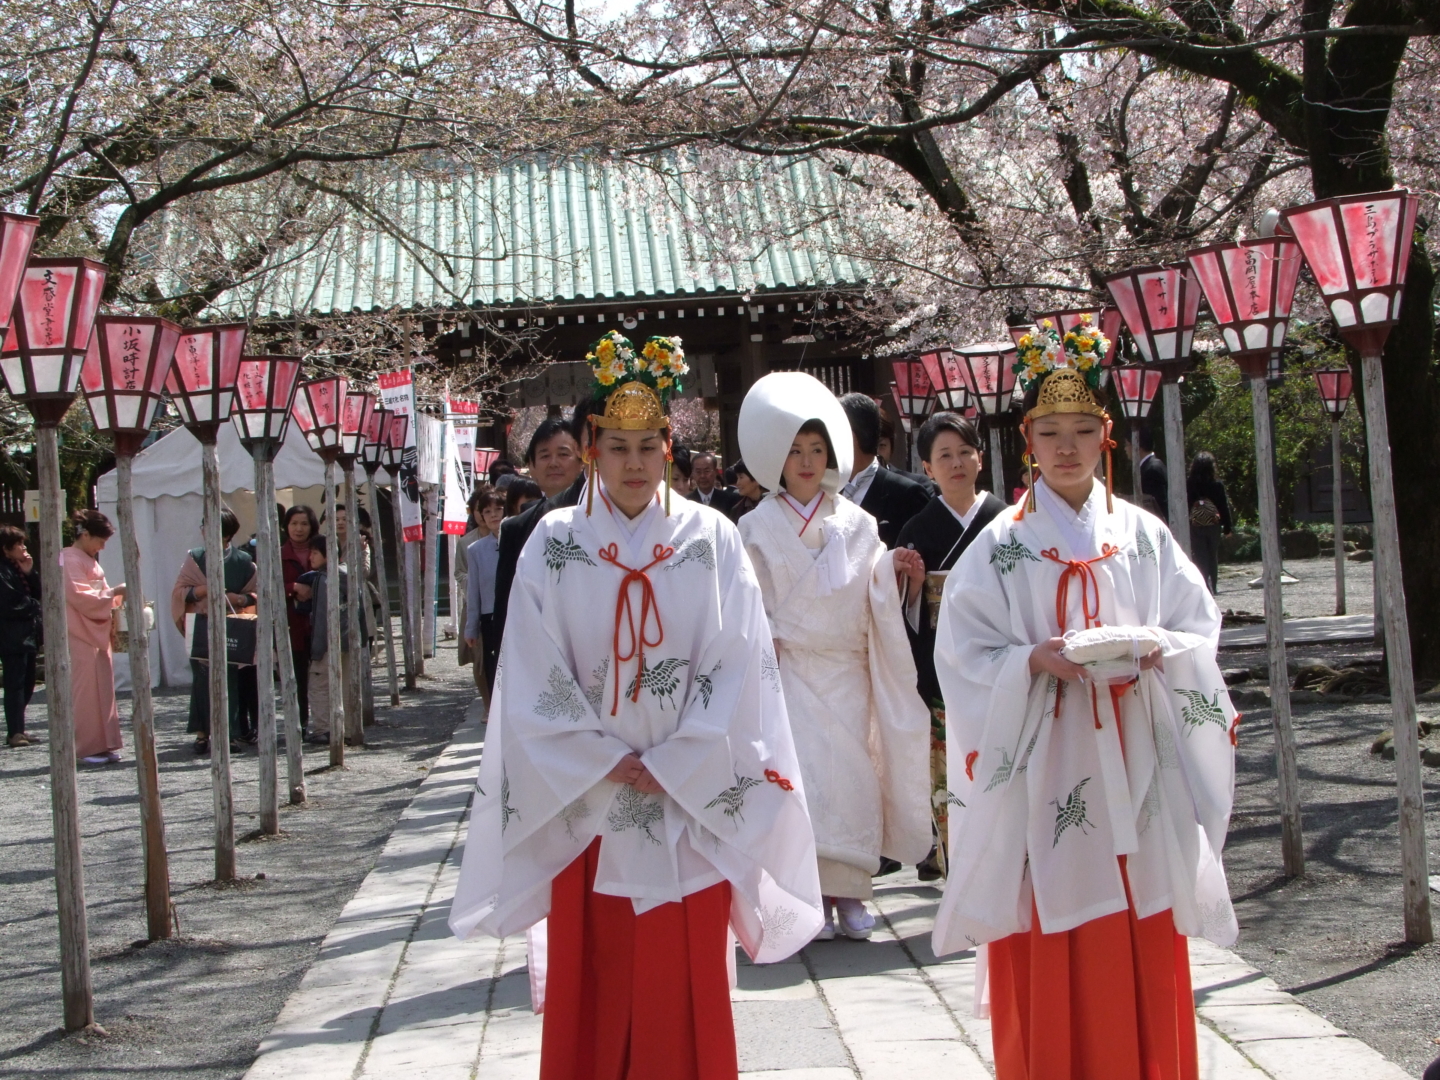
591 604
1042 803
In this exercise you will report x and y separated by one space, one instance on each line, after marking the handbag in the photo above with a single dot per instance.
1203 512
240 635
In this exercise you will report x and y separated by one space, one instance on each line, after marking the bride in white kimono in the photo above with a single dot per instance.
1090 774
835 609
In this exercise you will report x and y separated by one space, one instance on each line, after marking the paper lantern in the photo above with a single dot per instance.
397 436
1159 306
912 390
948 379
1136 386
17 236
265 389
372 451
317 412
1334 385
354 417
1251 287
989 375
49 333
123 376
202 379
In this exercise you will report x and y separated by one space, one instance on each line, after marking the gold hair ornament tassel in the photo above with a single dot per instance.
669 474
590 470
1109 468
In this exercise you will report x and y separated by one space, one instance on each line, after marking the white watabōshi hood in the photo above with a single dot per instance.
772 413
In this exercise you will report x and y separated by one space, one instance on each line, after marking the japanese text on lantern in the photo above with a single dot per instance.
252 387
130 357
1252 281
48 292
1372 238
199 365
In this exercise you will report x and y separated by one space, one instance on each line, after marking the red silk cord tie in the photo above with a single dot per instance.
775 778
625 615
1089 596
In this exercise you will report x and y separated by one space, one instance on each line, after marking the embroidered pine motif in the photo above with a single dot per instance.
733 798
1144 549
777 922
506 810
1201 710
1009 555
1165 755
770 667
1003 773
1072 813
578 810
561 699
1151 804
632 810
558 553
660 679
1217 919
705 684
996 654
700 550
596 693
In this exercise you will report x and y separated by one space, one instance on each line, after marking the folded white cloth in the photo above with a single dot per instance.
1110 653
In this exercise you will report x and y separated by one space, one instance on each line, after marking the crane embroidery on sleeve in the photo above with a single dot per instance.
559 553
1011 554
1200 710
661 679
705 685
700 550
1071 813
732 799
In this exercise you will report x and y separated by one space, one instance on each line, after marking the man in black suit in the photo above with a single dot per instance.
704 475
1154 477
889 497
886 453
561 488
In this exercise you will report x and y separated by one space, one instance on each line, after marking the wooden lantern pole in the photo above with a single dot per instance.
1414 859
216 608
75 983
1337 463
334 668
1179 508
158 917
407 611
266 548
1135 461
289 689
427 566
355 596
997 465
383 579
1292 843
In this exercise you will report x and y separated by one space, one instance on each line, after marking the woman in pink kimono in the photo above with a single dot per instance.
89 602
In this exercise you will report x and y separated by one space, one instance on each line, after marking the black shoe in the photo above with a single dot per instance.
887 866
929 867
202 747
315 739
236 746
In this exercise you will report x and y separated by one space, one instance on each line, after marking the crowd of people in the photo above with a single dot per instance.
730 708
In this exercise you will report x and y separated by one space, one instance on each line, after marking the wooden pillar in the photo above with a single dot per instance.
997 461
1179 508
407 609
266 550
158 921
1135 463
216 609
356 598
1292 844
1413 857
333 661
383 580
429 565
289 689
1337 463
75 982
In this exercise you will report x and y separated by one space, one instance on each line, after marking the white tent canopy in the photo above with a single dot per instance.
167 503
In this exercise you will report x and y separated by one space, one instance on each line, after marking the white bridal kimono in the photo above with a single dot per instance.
861 731
1042 804
705 714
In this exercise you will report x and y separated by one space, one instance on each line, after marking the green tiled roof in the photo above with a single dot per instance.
589 229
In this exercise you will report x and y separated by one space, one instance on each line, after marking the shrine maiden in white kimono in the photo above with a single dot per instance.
862 733
1042 803
645 636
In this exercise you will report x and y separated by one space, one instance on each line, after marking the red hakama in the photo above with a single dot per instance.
1109 1000
632 997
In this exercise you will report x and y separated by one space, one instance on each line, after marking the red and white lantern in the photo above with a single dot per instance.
948 379
49 334
372 450
485 456
1251 287
1136 386
123 376
989 375
317 412
1335 385
202 380
17 236
354 418
265 389
1159 306
912 390
396 436
1358 248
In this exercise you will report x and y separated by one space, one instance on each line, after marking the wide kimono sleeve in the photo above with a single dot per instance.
731 767
532 768
900 721
86 592
993 707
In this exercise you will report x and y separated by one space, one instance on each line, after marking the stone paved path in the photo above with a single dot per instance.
393 994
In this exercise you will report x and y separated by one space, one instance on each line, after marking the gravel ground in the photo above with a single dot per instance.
1313 594
198 1005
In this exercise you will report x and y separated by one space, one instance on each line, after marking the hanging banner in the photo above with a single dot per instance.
454 515
397 393
465 415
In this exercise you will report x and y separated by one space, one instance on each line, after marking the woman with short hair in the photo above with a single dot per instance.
90 603
299 526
